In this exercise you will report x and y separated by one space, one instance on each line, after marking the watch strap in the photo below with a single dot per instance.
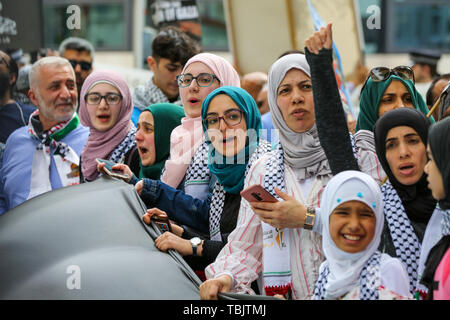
310 218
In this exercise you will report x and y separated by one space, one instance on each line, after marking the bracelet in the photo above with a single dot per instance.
310 218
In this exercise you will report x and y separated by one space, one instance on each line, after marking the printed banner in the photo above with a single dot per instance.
180 13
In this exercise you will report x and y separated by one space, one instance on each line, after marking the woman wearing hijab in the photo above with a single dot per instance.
289 258
437 264
413 196
106 107
187 167
352 208
400 137
390 90
154 126
232 123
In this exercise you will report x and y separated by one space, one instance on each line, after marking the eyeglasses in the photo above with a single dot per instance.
96 98
379 74
232 117
203 79
83 64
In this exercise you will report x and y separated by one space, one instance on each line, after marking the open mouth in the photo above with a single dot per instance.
103 117
193 100
143 151
228 140
406 169
352 238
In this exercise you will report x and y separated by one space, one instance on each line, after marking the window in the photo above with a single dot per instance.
103 23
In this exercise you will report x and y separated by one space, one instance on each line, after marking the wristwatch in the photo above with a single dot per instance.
195 242
310 218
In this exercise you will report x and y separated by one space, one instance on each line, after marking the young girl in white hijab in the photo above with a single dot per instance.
352 217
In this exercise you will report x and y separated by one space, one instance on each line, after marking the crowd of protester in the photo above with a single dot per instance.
362 206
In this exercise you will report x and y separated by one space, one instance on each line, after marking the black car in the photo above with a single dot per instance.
88 242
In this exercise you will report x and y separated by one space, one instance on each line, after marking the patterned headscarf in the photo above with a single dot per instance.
345 268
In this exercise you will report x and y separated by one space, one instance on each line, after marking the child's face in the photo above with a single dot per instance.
352 226
434 178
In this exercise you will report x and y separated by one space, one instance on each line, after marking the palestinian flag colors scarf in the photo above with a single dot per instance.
50 145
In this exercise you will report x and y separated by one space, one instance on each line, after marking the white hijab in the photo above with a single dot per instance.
300 150
345 268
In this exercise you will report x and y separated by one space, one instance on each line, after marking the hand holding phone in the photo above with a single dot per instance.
257 193
108 168
162 222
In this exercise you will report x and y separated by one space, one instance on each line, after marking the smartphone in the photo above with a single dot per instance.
257 193
162 222
110 171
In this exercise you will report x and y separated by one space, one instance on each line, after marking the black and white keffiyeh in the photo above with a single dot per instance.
276 256
148 94
128 143
407 245
369 280
198 171
218 196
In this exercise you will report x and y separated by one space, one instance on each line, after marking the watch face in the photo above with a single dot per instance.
196 241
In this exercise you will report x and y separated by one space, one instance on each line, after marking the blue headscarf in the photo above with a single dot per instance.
231 171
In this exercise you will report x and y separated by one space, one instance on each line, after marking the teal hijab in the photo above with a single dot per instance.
166 117
230 171
371 97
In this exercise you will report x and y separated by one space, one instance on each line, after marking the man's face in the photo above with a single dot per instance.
55 94
421 73
165 75
80 61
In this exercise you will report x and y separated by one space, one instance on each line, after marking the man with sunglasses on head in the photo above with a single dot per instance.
171 49
45 154
80 54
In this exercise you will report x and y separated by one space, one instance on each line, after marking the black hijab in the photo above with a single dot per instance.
439 141
417 198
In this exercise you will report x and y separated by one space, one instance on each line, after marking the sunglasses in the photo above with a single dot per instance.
379 74
85 66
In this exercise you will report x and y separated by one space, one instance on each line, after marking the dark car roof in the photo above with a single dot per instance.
92 231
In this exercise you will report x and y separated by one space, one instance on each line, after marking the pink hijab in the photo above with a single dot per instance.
186 138
102 144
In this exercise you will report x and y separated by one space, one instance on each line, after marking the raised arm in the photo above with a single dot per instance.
330 117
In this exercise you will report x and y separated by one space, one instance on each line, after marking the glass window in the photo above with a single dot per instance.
372 36
407 25
103 24
214 30
421 26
